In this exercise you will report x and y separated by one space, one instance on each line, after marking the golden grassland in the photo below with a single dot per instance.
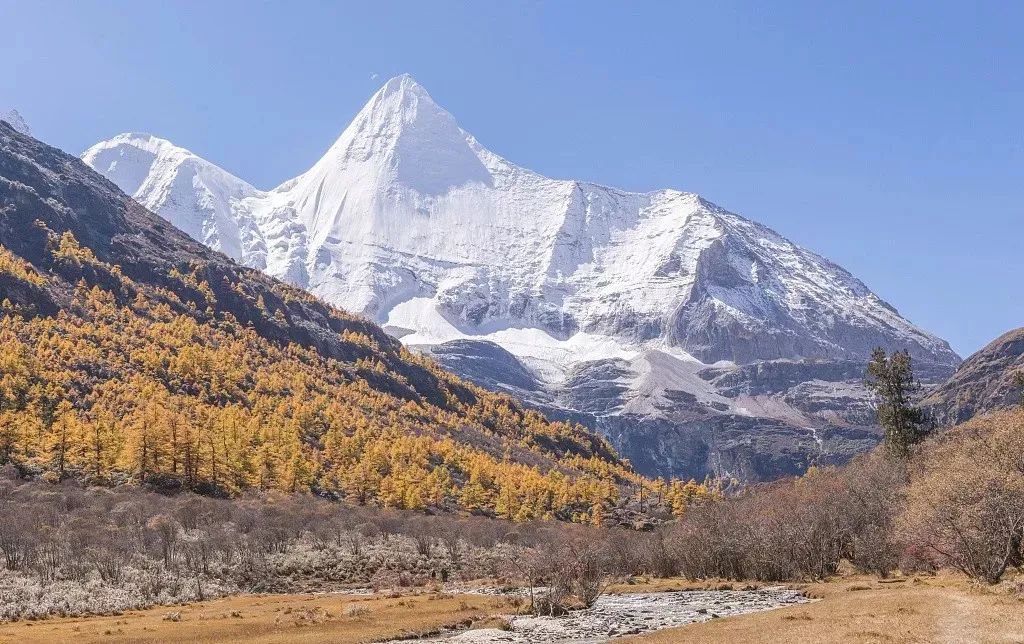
857 609
260 619
862 609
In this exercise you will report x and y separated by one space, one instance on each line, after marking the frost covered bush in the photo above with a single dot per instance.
67 550
23 596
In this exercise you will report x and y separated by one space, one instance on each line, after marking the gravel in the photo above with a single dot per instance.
615 616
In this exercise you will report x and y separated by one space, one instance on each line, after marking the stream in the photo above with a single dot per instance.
615 616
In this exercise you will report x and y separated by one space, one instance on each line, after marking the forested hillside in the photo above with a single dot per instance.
132 353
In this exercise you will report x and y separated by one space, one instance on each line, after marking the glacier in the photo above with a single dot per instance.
659 296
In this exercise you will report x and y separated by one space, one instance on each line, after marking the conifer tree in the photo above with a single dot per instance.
891 378
131 380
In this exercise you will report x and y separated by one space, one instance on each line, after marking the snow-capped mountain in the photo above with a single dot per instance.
192 193
16 120
409 220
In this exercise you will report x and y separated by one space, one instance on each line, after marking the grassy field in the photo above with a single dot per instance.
851 609
860 609
269 618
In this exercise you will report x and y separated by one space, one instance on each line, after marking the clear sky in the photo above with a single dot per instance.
886 136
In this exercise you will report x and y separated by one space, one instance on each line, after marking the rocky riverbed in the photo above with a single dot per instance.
631 614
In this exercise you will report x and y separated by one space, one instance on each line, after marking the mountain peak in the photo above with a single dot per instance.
403 135
675 325
16 121
132 148
403 84
399 101
143 141
407 209
189 191
132 159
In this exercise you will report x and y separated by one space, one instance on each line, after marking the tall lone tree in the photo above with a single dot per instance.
891 377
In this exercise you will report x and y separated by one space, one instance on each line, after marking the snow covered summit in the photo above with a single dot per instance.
408 219
192 193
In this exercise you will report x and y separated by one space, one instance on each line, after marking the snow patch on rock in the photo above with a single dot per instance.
15 119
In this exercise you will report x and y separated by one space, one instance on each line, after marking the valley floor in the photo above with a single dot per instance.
266 619
943 609
849 609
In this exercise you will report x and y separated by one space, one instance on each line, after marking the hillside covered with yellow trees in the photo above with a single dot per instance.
131 353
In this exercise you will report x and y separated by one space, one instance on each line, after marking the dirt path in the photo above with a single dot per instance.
956 621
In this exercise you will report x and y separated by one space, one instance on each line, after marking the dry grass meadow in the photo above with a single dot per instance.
854 609
262 619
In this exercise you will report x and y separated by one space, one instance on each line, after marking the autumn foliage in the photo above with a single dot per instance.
128 383
965 507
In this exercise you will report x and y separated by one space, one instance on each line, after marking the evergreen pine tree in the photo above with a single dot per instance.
891 378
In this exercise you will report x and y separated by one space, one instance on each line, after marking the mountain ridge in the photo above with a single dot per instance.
410 221
16 121
400 112
983 383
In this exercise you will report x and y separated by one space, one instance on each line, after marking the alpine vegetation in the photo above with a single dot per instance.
133 354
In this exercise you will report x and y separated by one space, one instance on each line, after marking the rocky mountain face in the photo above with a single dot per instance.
679 418
699 341
15 120
983 383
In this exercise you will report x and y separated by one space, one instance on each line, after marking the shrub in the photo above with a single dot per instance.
966 498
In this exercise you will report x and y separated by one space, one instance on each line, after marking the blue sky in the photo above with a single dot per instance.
887 138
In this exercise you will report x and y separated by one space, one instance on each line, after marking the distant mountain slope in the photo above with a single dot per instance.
15 120
983 383
410 220
132 352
